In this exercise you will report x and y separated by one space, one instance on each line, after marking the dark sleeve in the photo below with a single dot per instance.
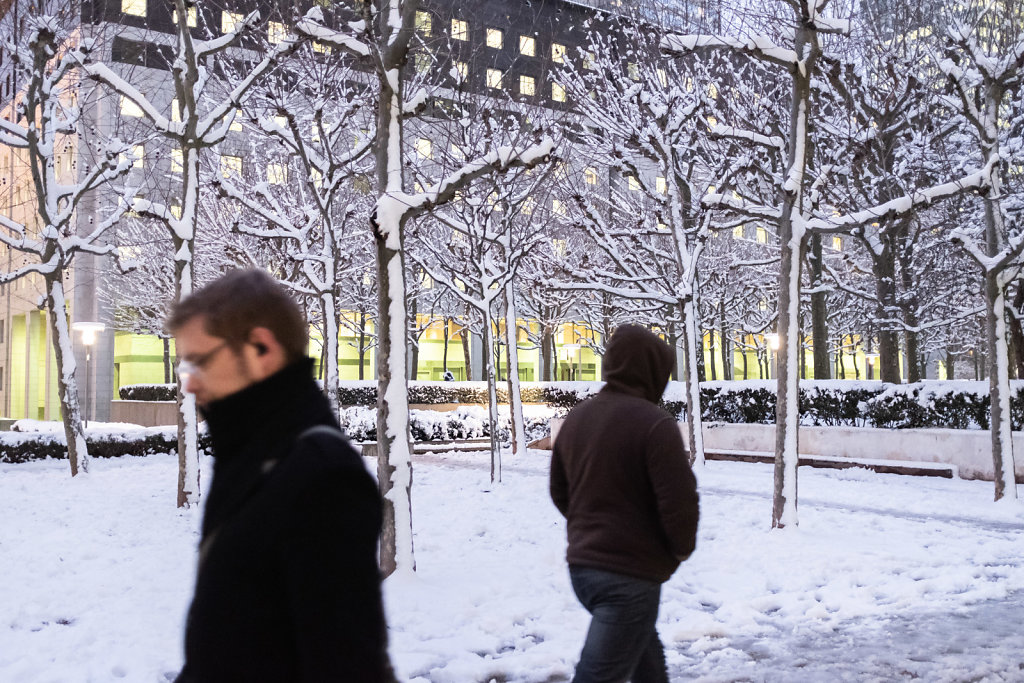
674 486
558 484
332 579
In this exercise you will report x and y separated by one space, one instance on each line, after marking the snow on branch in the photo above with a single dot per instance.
208 48
101 72
905 204
770 141
312 25
760 47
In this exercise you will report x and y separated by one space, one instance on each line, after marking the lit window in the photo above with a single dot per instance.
557 92
527 46
139 152
424 23
633 183
527 85
321 48
276 32
176 210
589 61
712 91
423 62
460 29
663 78
175 111
129 108
460 70
134 7
425 148
837 243
633 70
661 185
712 122
737 232
457 152
762 235
561 170
494 78
230 166
236 123
495 38
529 205
277 174
689 84
557 244
229 21
177 161
558 53
762 304
558 207
590 176
190 17
492 201
318 179
281 121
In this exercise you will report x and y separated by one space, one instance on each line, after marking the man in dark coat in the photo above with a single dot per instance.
620 476
288 587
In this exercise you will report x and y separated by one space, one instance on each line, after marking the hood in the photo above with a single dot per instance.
637 362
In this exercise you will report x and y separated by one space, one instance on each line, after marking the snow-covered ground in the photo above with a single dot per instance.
887 578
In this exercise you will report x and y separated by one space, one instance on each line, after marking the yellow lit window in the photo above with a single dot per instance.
557 92
837 243
661 185
190 17
230 166
177 161
129 108
134 7
277 174
281 121
139 153
633 71
663 78
689 84
633 183
460 70
762 235
494 78
229 21
527 46
424 148
558 207
423 62
176 211
558 246
712 91
762 305
318 179
529 205
456 152
495 38
590 176
589 61
276 32
737 232
558 53
175 111
236 124
460 29
712 122
527 85
424 23
320 48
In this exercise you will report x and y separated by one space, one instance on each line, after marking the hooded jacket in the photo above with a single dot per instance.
619 472
288 587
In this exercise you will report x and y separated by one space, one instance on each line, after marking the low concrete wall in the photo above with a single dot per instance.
145 413
970 450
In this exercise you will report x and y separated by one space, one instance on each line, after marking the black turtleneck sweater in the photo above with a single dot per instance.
288 587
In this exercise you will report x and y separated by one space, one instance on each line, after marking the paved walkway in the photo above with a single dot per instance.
981 642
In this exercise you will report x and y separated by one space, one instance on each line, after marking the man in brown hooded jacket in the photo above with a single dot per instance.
621 477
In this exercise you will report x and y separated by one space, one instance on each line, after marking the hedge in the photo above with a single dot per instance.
18 447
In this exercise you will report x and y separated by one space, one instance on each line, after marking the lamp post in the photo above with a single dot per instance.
773 348
869 359
89 331
570 355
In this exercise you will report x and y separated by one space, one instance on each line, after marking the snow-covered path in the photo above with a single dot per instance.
886 577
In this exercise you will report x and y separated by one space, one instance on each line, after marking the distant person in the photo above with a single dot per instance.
288 587
621 477
448 376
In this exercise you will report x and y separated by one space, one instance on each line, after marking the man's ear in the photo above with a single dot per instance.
268 355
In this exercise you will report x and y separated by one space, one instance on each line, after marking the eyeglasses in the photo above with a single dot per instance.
196 364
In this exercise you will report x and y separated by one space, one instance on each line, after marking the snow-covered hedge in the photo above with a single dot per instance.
466 422
931 403
23 446
146 392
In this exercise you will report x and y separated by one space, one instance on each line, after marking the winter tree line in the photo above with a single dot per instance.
834 174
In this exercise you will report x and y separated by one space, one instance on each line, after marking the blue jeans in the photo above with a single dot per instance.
622 642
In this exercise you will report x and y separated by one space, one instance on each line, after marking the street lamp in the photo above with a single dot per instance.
89 331
773 348
869 358
569 352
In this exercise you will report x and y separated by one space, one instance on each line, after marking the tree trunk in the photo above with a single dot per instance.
492 395
467 356
330 365
414 330
168 366
362 344
515 399
67 387
723 334
999 388
884 268
819 313
444 358
694 421
188 434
